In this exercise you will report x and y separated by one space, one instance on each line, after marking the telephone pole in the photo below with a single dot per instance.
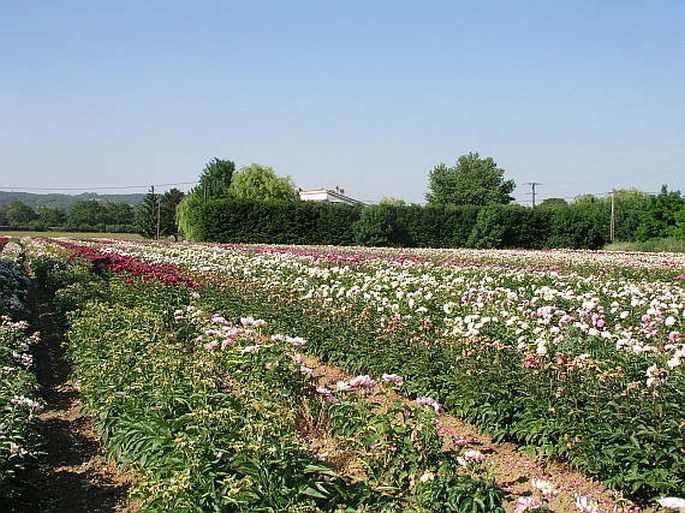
612 226
532 191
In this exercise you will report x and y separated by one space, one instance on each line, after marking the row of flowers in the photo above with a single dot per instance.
543 302
235 403
524 304
585 343
18 387
529 309
135 268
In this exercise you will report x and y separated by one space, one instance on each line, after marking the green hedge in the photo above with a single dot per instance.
577 226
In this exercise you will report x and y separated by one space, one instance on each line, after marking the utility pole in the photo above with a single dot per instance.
532 191
612 226
159 210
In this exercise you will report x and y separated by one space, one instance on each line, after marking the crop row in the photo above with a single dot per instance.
574 361
221 415
18 386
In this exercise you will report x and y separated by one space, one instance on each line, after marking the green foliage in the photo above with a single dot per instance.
156 216
598 416
52 216
259 183
583 224
215 180
670 245
580 225
495 226
678 231
19 215
85 214
168 205
298 222
189 218
553 203
221 429
381 225
18 385
629 209
393 202
214 184
471 181
661 215
91 215
148 216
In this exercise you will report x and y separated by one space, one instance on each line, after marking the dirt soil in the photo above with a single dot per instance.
73 475
511 469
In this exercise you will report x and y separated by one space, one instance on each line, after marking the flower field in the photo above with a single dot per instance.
191 359
18 406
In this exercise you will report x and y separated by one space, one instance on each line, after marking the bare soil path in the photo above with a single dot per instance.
73 474
511 469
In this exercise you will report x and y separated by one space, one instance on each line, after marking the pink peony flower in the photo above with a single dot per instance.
526 504
394 378
362 381
296 341
432 403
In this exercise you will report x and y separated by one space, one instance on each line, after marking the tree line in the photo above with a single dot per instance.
86 215
98 216
582 224
467 205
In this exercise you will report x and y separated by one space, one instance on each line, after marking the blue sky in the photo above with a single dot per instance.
367 95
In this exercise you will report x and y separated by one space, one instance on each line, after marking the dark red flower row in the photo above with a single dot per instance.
167 274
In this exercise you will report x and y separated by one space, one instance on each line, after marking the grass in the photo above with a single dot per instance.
668 245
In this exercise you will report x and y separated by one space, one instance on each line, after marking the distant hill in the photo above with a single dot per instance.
66 200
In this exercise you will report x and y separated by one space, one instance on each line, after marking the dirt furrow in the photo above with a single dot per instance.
512 470
72 474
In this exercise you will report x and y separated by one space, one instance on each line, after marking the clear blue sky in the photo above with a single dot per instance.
368 95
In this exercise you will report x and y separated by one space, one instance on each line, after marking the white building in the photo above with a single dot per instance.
328 196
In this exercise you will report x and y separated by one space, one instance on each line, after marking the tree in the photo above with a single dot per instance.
215 180
52 216
678 231
553 203
85 215
167 205
393 202
147 215
214 183
659 217
20 214
119 214
257 182
471 181
189 217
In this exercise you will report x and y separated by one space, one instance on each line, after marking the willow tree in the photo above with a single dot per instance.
261 183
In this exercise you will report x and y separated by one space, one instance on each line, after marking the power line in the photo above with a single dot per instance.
99 188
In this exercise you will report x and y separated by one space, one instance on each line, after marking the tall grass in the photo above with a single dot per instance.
669 245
